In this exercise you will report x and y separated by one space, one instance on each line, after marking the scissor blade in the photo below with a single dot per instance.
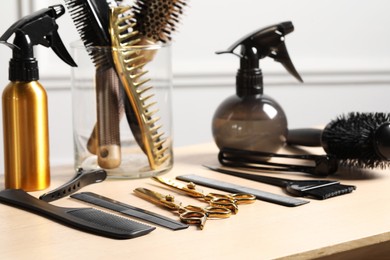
180 187
169 182
158 198
149 195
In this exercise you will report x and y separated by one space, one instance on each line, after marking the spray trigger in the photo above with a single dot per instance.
40 28
281 55
265 42
59 48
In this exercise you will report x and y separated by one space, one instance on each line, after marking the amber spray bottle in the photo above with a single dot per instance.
24 101
251 120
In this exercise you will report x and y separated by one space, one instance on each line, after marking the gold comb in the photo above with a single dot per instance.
129 60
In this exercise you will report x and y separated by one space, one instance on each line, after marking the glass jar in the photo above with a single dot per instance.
106 123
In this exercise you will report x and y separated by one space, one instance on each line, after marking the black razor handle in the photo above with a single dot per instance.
86 219
305 136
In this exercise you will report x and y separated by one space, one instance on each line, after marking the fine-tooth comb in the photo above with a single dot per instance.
318 189
129 65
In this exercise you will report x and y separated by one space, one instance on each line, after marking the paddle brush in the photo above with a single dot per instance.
318 189
356 139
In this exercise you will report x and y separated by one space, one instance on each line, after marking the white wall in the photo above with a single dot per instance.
340 47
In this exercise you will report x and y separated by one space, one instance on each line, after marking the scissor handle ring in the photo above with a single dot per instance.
194 218
210 211
224 203
217 212
237 198
243 198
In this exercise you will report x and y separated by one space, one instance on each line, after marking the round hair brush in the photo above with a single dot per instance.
157 19
356 139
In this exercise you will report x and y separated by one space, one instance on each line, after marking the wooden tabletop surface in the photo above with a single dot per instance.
345 227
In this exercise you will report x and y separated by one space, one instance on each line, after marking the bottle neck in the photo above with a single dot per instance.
249 82
23 66
23 70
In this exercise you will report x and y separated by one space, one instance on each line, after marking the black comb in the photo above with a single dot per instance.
86 219
129 210
318 189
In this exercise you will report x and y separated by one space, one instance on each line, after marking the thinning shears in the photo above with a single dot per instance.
229 201
188 214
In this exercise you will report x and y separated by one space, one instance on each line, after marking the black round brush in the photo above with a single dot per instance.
356 139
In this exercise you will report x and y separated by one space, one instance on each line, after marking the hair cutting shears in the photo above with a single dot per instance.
229 201
188 214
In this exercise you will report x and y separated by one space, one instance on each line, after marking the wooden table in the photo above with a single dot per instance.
352 226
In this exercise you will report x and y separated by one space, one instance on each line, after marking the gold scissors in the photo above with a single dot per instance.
229 201
188 214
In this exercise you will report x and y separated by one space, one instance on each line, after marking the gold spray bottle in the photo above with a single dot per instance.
24 101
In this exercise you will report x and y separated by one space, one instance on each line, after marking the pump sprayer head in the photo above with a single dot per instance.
41 28
267 42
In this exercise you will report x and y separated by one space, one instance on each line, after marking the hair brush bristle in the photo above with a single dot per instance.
91 20
157 19
351 138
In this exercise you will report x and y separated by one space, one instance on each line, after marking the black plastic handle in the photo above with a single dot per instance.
305 137
81 179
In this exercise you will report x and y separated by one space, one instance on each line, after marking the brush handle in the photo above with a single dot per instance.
108 118
382 141
305 137
131 117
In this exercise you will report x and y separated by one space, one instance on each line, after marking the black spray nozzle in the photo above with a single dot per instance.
266 42
41 28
